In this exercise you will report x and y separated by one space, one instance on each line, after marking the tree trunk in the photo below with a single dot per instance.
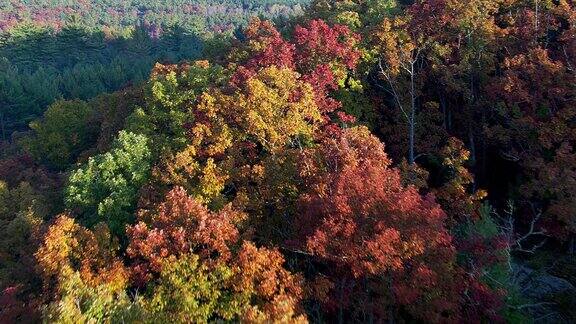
412 118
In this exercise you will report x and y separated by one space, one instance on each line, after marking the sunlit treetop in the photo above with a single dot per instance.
358 217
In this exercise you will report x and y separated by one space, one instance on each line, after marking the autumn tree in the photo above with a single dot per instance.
228 277
323 54
551 182
533 125
373 233
178 226
228 143
233 131
189 290
400 62
84 302
81 265
169 98
263 46
69 248
457 194
463 56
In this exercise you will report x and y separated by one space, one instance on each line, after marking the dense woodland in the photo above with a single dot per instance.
361 161
197 15
53 50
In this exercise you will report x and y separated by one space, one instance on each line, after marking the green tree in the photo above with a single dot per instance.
191 292
106 188
67 129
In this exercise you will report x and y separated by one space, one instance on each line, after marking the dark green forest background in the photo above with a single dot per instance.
53 50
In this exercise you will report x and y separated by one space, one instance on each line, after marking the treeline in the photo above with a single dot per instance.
39 66
197 16
369 161
62 50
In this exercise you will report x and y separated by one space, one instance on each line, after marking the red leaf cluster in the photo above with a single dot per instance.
359 218
178 226
320 52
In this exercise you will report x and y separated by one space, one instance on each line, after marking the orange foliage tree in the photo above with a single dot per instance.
260 288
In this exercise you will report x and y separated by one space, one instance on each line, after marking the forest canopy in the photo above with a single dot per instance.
358 161
198 16
52 50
